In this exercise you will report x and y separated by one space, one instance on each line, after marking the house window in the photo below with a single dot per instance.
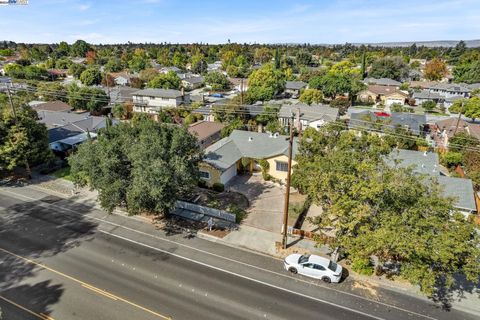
165 99
281 166
205 175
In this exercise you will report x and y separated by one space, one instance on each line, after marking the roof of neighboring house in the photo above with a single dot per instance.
450 87
194 80
205 129
295 85
59 106
422 84
120 94
454 98
204 110
125 75
77 139
450 127
58 72
382 90
425 94
226 152
160 93
309 113
54 119
367 119
427 163
382 82
174 69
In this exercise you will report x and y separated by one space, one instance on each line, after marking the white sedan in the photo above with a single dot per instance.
314 266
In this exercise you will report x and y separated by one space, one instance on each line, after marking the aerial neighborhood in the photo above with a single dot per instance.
364 154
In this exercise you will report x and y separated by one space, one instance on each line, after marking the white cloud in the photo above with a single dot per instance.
84 7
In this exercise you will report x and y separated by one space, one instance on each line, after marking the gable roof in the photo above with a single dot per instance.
426 94
194 80
382 90
309 112
226 152
367 119
382 82
59 106
450 127
427 163
205 129
295 85
450 87
159 93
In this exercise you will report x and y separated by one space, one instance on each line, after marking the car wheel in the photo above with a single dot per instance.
327 280
293 270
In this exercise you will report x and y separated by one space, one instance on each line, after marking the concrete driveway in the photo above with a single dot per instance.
266 201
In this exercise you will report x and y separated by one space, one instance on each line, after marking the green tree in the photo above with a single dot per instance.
304 59
374 209
113 65
91 76
166 81
310 96
217 81
148 75
86 98
276 59
428 105
468 107
23 141
146 176
389 67
467 72
51 91
265 83
80 48
263 55
236 124
120 111
76 70
199 64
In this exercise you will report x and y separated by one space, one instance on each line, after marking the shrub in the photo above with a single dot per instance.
239 213
451 159
219 187
363 266
202 183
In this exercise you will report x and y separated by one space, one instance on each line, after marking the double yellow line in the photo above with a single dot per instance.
40 315
84 284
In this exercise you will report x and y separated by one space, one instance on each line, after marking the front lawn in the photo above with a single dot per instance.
63 173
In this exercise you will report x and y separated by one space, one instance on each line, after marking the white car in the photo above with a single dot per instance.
314 266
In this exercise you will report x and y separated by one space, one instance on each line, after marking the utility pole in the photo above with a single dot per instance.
241 92
11 103
287 192
458 120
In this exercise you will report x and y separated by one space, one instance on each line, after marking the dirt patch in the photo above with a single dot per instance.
286 252
219 233
217 200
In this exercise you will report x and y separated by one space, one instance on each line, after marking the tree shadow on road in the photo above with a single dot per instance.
447 296
36 230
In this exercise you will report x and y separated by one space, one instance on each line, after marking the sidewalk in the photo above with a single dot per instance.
265 242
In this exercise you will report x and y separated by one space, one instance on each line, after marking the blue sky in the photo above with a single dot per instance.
261 21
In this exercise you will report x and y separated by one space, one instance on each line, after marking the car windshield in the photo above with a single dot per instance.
332 266
303 258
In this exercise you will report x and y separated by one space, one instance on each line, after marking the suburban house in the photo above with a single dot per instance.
193 82
216 66
67 130
206 132
425 95
386 95
58 106
448 90
120 94
121 78
223 159
293 88
55 74
153 100
427 163
166 70
313 116
207 112
367 120
382 82
443 130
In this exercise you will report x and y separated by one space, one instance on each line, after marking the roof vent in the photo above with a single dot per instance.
423 166
270 135
250 139
425 153
276 135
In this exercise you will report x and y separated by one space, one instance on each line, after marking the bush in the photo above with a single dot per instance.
363 266
239 213
202 183
451 159
219 187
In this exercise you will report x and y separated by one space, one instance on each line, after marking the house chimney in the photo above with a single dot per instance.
250 139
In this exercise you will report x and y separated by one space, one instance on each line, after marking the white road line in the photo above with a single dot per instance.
225 258
242 276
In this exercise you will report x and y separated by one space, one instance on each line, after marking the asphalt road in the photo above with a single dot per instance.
62 260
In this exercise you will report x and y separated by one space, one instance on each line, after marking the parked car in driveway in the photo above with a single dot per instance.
314 266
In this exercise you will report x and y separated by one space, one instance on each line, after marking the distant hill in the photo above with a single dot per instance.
438 43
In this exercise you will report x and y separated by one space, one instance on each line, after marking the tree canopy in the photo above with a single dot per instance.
144 166
376 210
217 80
166 81
389 67
265 83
